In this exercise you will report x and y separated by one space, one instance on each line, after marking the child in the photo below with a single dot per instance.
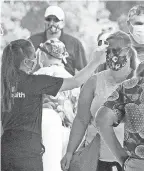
59 111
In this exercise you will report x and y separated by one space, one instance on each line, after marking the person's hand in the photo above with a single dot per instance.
99 54
65 162
125 160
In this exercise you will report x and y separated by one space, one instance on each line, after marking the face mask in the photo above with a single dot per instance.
114 61
30 64
138 33
54 28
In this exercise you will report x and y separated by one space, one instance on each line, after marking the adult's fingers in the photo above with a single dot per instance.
63 163
67 164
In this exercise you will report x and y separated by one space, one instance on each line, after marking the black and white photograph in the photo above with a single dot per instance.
72 85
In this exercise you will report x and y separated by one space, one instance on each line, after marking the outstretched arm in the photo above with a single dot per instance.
82 76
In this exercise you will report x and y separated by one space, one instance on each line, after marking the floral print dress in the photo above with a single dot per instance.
128 104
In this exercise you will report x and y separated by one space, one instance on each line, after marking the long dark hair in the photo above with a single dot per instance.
13 54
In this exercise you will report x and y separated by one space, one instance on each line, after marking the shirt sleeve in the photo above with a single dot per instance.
42 84
115 102
80 57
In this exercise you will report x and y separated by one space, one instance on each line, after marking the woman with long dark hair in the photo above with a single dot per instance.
21 144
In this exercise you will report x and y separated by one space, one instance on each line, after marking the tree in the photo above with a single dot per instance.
84 20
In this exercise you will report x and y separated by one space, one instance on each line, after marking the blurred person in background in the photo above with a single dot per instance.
135 25
125 105
136 29
120 58
54 25
58 112
21 142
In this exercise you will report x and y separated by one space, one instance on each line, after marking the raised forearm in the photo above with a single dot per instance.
83 75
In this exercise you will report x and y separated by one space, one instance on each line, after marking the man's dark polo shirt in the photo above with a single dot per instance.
76 60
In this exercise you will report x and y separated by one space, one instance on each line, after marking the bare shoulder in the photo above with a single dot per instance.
94 80
90 83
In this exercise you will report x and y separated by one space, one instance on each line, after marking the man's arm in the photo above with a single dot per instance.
80 56
37 39
105 120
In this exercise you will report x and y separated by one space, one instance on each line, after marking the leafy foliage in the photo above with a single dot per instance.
84 20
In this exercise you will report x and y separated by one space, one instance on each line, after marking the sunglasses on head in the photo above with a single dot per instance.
103 42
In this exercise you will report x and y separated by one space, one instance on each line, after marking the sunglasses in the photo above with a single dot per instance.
116 52
49 19
103 42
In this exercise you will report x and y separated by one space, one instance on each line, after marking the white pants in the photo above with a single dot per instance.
55 139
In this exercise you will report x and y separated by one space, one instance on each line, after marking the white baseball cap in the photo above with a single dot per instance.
56 11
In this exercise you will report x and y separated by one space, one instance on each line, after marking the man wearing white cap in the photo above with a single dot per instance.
54 24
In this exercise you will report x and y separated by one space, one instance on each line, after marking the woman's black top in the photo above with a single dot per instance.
26 113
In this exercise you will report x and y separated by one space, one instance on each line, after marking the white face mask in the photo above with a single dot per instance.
138 33
55 27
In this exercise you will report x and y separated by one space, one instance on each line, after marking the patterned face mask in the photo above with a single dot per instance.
114 60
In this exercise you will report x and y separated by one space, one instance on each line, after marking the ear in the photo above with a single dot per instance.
62 24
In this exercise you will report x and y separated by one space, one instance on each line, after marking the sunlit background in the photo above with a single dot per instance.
84 19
